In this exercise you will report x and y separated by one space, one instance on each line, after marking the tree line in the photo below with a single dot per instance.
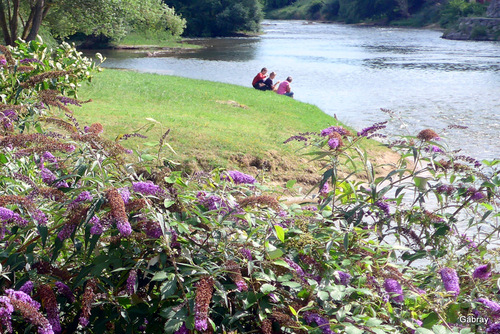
399 12
113 19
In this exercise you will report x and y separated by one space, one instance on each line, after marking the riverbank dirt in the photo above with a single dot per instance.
277 169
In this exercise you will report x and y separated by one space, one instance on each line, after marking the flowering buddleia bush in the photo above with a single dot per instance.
92 242
436 211
32 67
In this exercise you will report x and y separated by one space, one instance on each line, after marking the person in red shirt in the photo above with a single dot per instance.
258 81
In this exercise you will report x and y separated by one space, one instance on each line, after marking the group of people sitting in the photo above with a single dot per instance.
262 82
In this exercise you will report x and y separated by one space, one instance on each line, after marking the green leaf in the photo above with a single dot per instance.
323 295
168 288
44 232
160 276
415 256
172 325
281 263
237 316
168 203
93 243
430 320
152 120
267 288
170 148
275 254
3 159
290 184
148 157
373 322
346 241
452 313
439 329
293 285
423 331
292 310
280 233
350 329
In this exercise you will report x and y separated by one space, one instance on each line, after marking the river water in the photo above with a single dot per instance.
353 71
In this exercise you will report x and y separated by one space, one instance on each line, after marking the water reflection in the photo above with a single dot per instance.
416 64
227 49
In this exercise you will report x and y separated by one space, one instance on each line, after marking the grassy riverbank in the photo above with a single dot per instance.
153 40
212 124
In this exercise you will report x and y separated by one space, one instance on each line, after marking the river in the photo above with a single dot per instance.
354 71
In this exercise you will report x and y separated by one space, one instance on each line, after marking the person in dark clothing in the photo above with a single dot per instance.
269 82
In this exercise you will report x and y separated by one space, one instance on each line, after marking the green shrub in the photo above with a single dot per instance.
478 32
455 9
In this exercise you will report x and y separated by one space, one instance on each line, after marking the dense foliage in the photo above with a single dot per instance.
92 242
107 19
409 12
218 17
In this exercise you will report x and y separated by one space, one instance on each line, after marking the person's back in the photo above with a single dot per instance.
284 87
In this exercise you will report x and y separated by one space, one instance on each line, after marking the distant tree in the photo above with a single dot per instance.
111 18
218 17
273 4
27 14
115 17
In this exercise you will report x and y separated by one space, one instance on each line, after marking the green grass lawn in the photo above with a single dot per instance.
212 124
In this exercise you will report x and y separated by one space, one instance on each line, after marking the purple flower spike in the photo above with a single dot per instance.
324 190
340 130
493 328
333 143
125 194
146 188
6 310
123 227
30 60
450 280
482 272
374 128
239 177
27 287
246 253
182 330
47 176
295 267
6 214
344 278
494 307
477 196
131 280
201 325
97 227
23 297
384 206
310 317
241 285
64 290
392 287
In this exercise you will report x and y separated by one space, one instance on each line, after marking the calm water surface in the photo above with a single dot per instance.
353 71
